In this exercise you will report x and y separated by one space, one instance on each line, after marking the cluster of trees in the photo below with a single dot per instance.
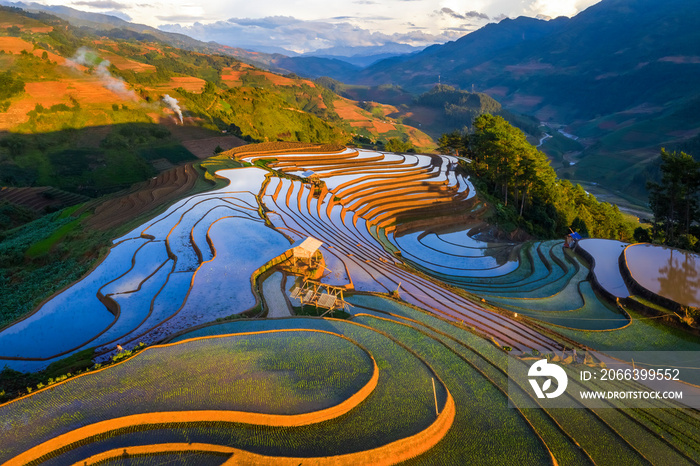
528 193
130 135
675 202
398 145
10 85
460 108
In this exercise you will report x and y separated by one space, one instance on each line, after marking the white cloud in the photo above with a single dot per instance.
301 36
555 8
304 25
102 4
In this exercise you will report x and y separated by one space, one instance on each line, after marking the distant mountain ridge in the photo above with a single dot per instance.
363 56
106 22
441 61
568 63
621 75
339 62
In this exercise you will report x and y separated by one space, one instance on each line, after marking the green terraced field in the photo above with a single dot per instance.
307 388
411 347
276 373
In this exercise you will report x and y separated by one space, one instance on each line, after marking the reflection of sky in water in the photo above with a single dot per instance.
74 318
668 272
606 254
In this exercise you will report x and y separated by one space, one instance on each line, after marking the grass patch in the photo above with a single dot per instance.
42 247
289 373
14 383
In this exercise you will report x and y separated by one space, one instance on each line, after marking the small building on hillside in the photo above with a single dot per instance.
308 250
312 176
572 239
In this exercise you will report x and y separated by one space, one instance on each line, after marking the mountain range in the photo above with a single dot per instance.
620 78
91 112
271 57
611 85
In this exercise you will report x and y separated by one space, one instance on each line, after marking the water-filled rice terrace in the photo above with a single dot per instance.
305 390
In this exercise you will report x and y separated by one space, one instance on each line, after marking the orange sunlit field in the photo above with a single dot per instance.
16 45
86 91
126 64
188 83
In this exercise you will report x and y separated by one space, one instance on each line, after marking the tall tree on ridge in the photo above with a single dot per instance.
674 201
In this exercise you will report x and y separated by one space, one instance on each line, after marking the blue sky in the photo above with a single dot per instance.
305 25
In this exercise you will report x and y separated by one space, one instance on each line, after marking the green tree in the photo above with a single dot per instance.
10 85
502 155
397 145
674 201
641 235
452 143
522 178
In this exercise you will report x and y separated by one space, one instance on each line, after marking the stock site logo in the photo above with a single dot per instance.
544 369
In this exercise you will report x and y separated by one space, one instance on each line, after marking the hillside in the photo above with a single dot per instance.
117 27
621 76
338 62
421 71
89 113
441 110
615 48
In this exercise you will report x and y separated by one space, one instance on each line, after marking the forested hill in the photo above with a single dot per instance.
525 188
456 109
87 112
620 77
607 58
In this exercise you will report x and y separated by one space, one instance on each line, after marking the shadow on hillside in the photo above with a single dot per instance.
96 160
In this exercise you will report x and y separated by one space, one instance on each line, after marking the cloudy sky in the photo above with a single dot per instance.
307 25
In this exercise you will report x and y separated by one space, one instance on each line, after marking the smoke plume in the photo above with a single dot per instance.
173 105
86 57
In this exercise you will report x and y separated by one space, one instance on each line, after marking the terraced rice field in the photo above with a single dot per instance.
309 390
294 377
666 272
174 272
38 199
367 195
375 213
193 263
143 197
423 380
